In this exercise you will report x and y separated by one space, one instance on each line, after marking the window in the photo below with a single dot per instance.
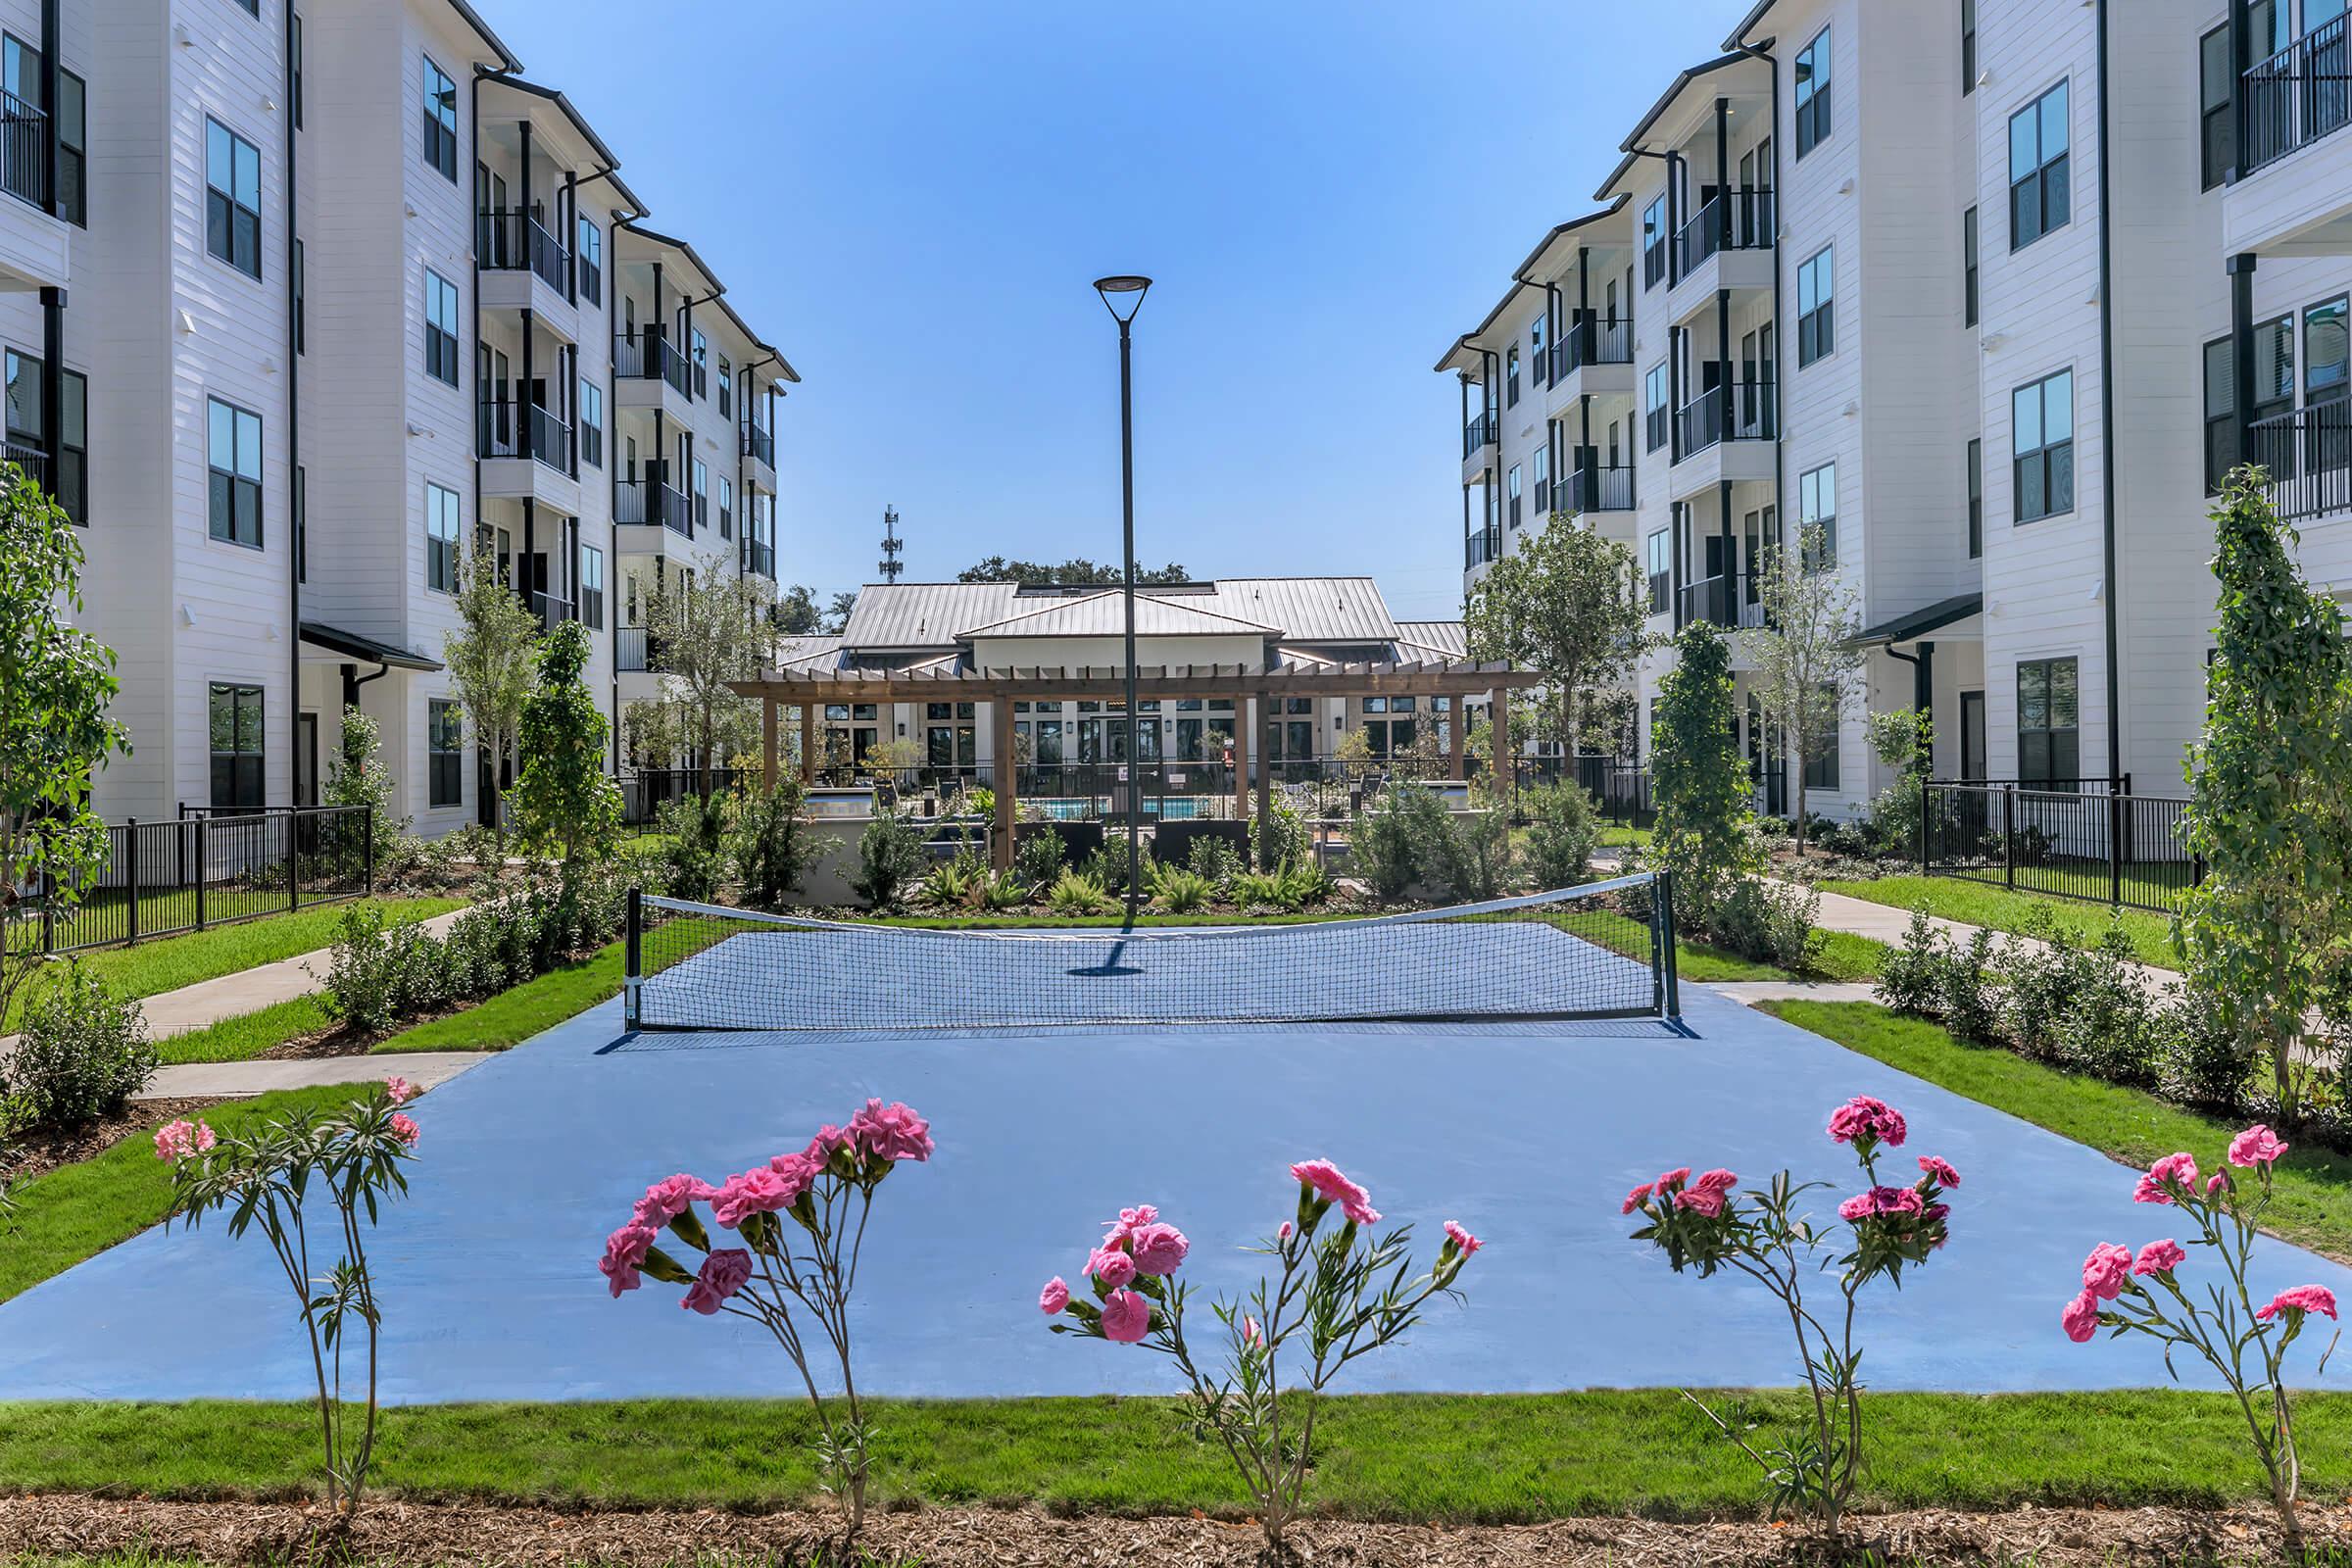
1656 416
591 261
592 587
701 495
72 149
727 506
70 487
254 6
235 715
1817 507
1661 570
1653 243
1976 499
1813 93
1821 763
234 501
440 120
2217 118
440 538
700 360
1968 268
1510 376
445 753
726 387
2220 412
1817 308
592 424
1545 504
1514 489
232 198
2043 433
2039 194
2273 368
441 343
1968 47
294 59
2047 722
2325 367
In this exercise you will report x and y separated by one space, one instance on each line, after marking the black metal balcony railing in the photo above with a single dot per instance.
1592 340
36 463
1476 435
1727 598
2308 453
2298 95
511 240
24 151
1601 489
1743 222
758 443
1744 410
650 501
1481 547
551 441
549 610
648 356
631 650
759 559
501 425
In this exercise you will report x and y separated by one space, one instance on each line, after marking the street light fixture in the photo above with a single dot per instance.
1128 291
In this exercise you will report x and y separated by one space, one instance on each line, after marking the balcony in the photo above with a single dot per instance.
648 354
510 240
1598 489
2292 106
1744 411
1482 547
1743 222
631 651
1478 435
528 454
650 503
24 151
2300 95
2307 451
1727 600
1592 340
759 559
759 444
549 610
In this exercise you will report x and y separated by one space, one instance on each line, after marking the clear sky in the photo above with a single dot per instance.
911 198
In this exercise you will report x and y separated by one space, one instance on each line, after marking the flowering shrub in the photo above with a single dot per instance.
784 1277
2127 1293
1339 1292
353 1160
1707 1225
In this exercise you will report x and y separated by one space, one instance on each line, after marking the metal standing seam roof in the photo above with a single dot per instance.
1445 637
924 615
934 614
806 651
1308 609
1104 614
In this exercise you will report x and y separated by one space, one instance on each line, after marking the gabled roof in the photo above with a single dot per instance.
923 614
481 29
1446 361
1674 90
1578 227
814 653
565 106
1104 614
1444 638
1308 609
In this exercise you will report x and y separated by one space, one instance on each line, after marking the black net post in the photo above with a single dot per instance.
1669 980
633 968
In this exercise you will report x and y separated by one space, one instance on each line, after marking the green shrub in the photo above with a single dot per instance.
1216 860
83 1053
773 846
1769 922
1281 838
1181 891
2040 983
2201 1060
2110 1027
1076 893
1037 854
1396 841
1911 981
951 886
694 857
1106 868
890 856
1561 834
997 892
1970 1006
1470 852
1900 740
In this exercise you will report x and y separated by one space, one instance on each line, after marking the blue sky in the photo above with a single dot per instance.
911 200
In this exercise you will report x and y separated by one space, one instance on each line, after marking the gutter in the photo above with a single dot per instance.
2115 679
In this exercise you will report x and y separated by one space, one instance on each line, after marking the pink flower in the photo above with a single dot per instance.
800 1171
624 1254
2080 1318
1283 1232
2256 1146
1130 1221
2298 1299
1940 1169
1673 1178
1705 1201
399 1090
1053 1298
828 1138
722 1275
1252 1335
1126 1317
1463 1242
2159 1257
1716 1181
1635 1199
1882 1200
1158 1249
669 1197
1857 1208
2105 1270
890 1133
1111 1266
753 1192
177 1141
1864 1118
2153 1188
405 1128
1325 1178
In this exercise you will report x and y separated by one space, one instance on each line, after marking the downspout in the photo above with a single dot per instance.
1772 229
2115 679
294 484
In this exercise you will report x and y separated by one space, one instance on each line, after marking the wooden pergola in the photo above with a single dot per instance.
811 690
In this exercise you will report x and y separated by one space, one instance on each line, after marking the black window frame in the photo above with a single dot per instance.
589 251
70 484
1971 268
1968 47
2055 460
438 146
1654 236
1823 765
1660 573
1811 94
1657 417
2217 110
2217 369
441 549
592 422
2050 754
2047 175
444 753
1816 323
239 773
1810 513
223 240
444 347
1974 460
2316 392
233 485
592 586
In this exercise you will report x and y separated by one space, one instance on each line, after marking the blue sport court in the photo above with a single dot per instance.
1527 1132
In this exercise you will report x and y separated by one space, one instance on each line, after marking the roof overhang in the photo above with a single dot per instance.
591 144
481 29
1467 343
1671 99
1916 623
350 645
1556 250
1437 678
666 248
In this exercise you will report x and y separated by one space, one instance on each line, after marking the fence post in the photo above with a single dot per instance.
48 912
1924 806
368 849
632 976
293 831
131 871
201 864
1662 913
2115 847
2009 836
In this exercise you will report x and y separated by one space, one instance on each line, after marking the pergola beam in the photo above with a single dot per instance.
1046 683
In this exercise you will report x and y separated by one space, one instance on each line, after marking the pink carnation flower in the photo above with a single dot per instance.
2180 1168
1053 1298
1463 1242
2299 1299
1940 1169
669 1197
1325 1178
1635 1199
1158 1249
753 1192
1863 1118
1252 1335
722 1274
1882 1200
828 1138
399 1090
1716 1181
800 1171
2256 1146
1673 1178
890 1133
177 1141
2105 1270
405 1128
624 1255
1705 1201
2080 1318
1126 1317
1130 1221
2159 1257
1111 1266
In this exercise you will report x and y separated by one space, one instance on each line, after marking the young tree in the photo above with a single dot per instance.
1705 828
796 612
1568 605
2270 793
711 631
564 800
55 684
837 612
491 658
357 777
1076 572
1807 666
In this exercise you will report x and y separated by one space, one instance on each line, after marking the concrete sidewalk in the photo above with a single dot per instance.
237 1080
231 996
1883 923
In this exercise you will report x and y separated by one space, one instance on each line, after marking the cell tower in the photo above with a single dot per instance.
891 544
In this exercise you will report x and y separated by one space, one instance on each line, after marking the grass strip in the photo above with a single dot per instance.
1843 955
516 1015
1999 910
1485 1460
248 1034
2311 1187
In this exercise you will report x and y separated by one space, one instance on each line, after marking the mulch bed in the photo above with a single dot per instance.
43 1149
417 1534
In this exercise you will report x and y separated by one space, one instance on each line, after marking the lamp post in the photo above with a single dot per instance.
1114 292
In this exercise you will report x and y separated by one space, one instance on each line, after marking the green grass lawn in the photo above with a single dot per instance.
1843 955
2312 1202
1457 1459
513 1016
1973 904
248 1034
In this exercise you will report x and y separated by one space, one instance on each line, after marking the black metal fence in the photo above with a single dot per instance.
2087 839
202 869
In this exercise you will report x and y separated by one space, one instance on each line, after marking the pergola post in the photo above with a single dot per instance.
1265 778
1506 767
807 742
768 744
1457 737
1007 788
1241 755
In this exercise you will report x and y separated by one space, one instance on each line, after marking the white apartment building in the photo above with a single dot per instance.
336 291
1992 291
